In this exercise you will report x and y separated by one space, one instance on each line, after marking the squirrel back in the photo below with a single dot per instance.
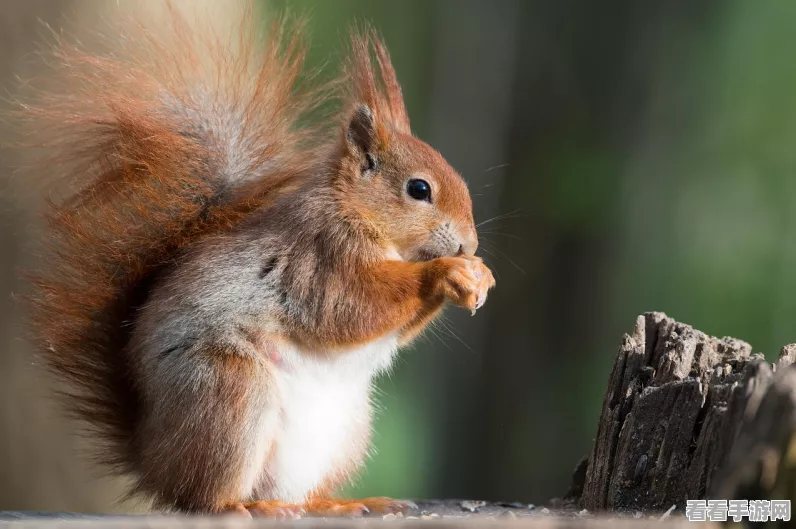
165 142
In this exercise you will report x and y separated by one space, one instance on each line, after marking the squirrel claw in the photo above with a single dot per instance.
408 504
481 300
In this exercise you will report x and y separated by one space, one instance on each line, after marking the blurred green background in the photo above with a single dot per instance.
623 157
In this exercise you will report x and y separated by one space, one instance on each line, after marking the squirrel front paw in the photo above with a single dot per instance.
466 281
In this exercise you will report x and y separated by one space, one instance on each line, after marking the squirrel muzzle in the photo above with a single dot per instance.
469 242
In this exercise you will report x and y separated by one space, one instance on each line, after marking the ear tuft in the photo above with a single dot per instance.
361 132
375 84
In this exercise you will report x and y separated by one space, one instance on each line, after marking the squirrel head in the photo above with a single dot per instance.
402 187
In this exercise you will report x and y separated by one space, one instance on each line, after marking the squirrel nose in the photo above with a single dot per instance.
469 243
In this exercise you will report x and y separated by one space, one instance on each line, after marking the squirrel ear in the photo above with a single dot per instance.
361 131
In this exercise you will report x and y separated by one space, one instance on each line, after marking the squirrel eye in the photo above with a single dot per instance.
419 189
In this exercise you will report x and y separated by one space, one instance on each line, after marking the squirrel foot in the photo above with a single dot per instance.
265 508
361 507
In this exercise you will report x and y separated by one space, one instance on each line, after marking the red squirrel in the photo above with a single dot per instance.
226 280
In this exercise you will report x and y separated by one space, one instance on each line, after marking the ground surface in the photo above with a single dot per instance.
429 513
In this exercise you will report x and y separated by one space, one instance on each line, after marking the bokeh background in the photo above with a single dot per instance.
623 157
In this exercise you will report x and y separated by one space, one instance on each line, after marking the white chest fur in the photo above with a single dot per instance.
325 410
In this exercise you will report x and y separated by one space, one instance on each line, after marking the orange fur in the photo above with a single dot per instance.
181 150
145 191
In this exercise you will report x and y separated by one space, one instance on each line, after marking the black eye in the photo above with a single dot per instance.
419 189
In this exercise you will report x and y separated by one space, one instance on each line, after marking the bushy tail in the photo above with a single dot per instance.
163 141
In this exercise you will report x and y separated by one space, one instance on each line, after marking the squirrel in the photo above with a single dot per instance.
226 279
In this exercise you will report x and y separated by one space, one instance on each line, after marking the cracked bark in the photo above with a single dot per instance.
687 416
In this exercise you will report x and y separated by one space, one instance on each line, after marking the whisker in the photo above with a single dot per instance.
451 333
509 235
433 330
508 259
511 214
497 167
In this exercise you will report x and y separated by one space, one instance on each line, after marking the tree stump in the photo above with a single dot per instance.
687 415
762 463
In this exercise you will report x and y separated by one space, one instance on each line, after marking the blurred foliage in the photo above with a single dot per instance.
651 160
623 157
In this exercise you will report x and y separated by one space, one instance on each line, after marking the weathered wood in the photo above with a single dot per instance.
675 403
762 463
685 416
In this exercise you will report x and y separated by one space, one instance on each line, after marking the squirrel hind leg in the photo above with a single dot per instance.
210 418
